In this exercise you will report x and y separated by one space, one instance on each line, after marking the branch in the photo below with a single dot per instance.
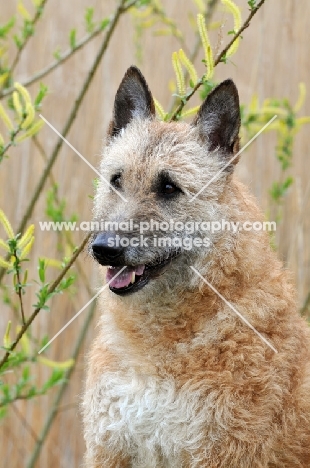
19 287
33 23
45 71
51 289
185 100
11 142
128 6
18 397
55 407
24 422
67 234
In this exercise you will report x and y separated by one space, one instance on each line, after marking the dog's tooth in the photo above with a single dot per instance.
133 277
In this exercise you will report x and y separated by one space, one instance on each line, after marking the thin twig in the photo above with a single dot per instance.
11 142
66 234
19 289
45 71
67 407
28 427
55 407
33 23
185 100
18 397
129 5
51 289
25 422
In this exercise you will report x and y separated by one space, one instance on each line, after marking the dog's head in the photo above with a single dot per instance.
162 185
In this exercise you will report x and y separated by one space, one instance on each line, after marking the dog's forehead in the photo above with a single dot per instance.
152 141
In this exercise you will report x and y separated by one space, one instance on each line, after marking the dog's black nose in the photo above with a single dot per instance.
105 248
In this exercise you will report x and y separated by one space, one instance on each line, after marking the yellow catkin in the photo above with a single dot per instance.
200 6
162 32
254 103
37 3
159 109
56 364
4 263
190 112
235 11
18 105
215 25
178 73
23 91
25 342
6 338
206 45
188 65
31 113
303 120
4 76
23 12
6 119
51 262
272 110
301 97
27 249
148 23
31 131
4 246
141 13
171 86
26 237
7 225
1 141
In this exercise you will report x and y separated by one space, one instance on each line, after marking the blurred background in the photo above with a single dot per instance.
271 71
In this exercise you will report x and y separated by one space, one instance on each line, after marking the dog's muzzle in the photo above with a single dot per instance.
125 278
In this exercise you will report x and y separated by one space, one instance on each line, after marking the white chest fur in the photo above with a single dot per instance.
147 418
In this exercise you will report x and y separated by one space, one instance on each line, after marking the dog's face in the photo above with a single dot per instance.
149 221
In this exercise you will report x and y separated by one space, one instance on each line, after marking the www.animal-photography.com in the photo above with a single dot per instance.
154 234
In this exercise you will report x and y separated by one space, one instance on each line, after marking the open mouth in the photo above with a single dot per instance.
134 278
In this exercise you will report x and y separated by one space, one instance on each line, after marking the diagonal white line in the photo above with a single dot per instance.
236 311
82 157
233 158
81 310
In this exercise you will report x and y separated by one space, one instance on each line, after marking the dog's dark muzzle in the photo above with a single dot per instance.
107 250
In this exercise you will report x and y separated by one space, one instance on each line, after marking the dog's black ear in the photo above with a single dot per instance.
133 100
218 118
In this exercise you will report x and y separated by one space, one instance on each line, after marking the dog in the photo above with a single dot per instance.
201 358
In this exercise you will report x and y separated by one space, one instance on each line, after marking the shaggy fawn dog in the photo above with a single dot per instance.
176 378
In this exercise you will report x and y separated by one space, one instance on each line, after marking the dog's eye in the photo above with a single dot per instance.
116 181
168 189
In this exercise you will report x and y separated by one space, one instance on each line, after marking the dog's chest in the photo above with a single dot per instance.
144 414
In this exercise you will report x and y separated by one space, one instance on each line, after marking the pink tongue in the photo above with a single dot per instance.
123 279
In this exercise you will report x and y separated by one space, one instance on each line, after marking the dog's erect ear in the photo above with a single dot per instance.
133 100
218 118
